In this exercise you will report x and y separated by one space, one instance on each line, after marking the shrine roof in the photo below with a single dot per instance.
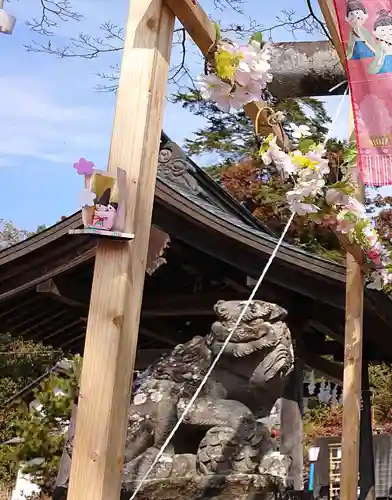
199 216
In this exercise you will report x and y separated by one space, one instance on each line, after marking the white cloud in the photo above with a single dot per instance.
37 122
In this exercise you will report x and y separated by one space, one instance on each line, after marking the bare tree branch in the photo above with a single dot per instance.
85 46
51 12
236 5
111 38
322 25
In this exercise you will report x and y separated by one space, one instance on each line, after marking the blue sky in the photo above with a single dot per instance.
51 113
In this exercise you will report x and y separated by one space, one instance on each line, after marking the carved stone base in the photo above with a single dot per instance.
216 487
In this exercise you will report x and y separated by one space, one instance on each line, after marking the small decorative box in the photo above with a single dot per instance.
103 219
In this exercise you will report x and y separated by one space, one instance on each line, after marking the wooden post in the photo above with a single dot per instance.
367 481
353 327
113 322
329 13
352 380
291 428
352 375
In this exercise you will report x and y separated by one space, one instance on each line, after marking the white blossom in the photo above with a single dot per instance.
280 116
301 208
336 197
299 131
356 207
376 281
282 161
253 68
213 88
346 224
251 76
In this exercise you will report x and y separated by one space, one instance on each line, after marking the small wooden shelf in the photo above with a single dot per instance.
101 233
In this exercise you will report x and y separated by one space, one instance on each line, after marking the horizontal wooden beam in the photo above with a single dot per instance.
86 256
326 347
332 371
53 291
203 33
185 305
62 329
325 330
157 336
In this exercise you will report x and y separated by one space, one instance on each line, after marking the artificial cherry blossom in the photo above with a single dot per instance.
245 72
299 131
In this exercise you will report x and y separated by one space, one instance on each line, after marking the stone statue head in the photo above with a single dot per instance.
262 337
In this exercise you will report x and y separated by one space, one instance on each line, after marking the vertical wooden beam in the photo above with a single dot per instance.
352 380
352 375
353 327
291 428
329 13
114 314
367 480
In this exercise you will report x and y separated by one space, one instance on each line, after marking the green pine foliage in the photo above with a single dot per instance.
229 139
231 136
380 377
41 432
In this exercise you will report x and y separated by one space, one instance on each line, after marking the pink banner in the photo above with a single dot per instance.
366 30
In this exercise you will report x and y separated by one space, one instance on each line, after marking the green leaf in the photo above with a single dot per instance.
257 37
305 144
350 154
217 32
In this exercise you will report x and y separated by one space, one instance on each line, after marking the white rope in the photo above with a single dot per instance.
337 86
338 110
240 317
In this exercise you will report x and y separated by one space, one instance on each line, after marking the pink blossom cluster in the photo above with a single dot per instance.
251 76
347 214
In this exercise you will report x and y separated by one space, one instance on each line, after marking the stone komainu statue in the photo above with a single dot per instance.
222 435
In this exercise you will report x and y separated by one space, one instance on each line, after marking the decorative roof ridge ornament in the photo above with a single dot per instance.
7 22
174 167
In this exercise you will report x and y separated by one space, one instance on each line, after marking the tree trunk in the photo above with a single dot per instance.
305 69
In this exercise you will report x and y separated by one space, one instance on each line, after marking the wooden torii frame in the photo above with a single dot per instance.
116 297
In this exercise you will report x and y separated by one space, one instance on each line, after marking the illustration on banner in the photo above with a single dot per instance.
359 44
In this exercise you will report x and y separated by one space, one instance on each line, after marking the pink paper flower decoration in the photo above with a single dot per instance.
84 167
